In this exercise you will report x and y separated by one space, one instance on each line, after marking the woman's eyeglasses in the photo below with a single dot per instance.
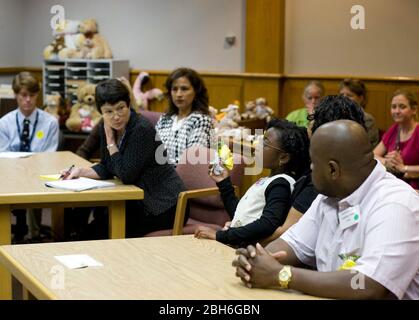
111 113
265 144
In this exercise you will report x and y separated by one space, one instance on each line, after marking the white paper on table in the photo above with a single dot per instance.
15 155
79 184
78 261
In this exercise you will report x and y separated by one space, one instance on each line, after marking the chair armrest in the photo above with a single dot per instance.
411 175
183 199
94 160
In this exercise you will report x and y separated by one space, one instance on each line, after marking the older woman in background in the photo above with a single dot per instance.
313 92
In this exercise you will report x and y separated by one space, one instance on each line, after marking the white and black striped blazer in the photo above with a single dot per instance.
196 129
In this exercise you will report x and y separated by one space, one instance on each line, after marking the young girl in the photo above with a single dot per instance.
265 205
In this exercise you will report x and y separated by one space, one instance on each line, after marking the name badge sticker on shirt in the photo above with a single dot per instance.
261 181
40 134
349 217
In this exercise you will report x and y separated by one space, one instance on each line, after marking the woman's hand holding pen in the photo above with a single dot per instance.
79 172
71 173
66 173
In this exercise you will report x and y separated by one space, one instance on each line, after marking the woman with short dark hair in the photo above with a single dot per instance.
128 148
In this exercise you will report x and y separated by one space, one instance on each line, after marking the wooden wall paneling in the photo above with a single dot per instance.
378 102
7 105
267 88
292 96
265 24
331 86
224 90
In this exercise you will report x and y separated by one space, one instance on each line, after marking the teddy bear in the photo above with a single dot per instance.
65 41
91 44
262 110
52 50
213 114
231 117
250 112
143 98
84 114
56 106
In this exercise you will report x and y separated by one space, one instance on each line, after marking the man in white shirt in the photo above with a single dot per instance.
361 233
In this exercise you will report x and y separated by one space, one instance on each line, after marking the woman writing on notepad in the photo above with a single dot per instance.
128 146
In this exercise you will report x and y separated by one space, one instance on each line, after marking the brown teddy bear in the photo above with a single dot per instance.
65 41
92 45
84 114
54 48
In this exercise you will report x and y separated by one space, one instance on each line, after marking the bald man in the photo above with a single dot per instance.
361 233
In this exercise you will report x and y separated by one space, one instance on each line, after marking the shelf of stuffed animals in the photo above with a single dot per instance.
64 77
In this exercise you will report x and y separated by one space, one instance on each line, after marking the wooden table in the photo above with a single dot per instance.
21 187
174 267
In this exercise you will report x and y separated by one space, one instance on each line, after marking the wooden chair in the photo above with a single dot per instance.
206 206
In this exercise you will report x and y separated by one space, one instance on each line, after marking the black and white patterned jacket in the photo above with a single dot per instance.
195 130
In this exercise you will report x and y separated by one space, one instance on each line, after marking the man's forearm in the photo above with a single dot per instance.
338 284
281 245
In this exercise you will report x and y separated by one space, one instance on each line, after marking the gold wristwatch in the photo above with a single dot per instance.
284 277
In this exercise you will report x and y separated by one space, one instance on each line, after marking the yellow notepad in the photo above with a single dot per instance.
50 177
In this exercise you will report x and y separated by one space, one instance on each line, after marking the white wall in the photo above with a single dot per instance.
164 34
319 39
152 34
11 31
